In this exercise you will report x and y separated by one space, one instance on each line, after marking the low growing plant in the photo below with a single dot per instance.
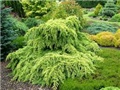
107 38
98 27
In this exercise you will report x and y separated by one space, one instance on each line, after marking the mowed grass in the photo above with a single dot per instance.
106 74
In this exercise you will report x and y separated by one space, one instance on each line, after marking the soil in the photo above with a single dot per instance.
7 84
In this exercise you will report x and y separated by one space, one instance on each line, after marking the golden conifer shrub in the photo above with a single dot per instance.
55 51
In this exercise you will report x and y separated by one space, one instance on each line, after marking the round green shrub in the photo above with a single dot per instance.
55 51
116 18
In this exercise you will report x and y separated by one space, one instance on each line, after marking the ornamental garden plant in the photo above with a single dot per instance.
55 51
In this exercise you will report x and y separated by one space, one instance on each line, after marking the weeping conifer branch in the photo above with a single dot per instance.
55 51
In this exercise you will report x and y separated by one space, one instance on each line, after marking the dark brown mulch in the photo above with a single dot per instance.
7 84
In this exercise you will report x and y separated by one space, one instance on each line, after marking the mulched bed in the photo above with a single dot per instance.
7 84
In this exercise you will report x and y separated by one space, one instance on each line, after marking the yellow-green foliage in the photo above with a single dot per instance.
118 30
37 8
55 51
117 43
117 35
104 33
107 40
94 38
97 9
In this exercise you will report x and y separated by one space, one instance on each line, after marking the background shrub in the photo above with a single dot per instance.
19 27
115 18
98 8
118 5
69 8
98 27
32 22
11 28
110 88
37 8
107 40
109 9
7 32
90 3
16 6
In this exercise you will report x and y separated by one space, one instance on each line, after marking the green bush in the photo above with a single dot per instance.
118 5
98 27
55 51
32 22
98 8
109 9
16 5
110 88
19 27
90 3
18 42
107 39
7 32
69 8
10 30
37 8
115 18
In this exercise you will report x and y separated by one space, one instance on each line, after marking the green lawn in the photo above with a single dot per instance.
106 74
